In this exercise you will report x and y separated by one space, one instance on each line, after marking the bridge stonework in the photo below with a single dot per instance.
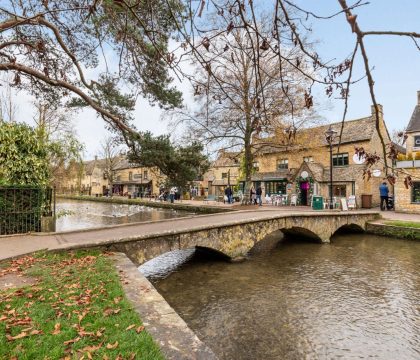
236 239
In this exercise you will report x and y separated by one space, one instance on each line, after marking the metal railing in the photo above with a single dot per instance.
22 208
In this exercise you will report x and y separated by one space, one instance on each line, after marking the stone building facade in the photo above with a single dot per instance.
128 179
137 180
407 199
304 169
223 171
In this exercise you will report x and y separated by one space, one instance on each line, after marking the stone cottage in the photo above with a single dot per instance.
407 199
304 168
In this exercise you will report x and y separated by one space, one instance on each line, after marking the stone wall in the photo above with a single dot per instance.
403 196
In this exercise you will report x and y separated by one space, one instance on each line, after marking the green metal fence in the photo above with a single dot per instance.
21 208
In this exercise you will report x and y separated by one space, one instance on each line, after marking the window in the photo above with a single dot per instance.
256 165
416 142
224 175
340 159
415 193
137 176
282 164
145 175
308 159
340 190
130 175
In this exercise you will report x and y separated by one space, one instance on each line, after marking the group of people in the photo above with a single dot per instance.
256 196
172 194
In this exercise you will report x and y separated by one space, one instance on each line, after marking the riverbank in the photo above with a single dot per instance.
409 230
73 305
194 208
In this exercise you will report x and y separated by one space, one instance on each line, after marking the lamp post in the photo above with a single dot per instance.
329 136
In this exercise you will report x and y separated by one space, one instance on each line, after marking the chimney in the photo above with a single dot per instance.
418 97
380 108
96 157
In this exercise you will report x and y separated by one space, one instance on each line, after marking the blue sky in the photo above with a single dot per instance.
396 60
396 63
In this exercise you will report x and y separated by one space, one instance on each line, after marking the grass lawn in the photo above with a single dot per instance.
411 224
76 310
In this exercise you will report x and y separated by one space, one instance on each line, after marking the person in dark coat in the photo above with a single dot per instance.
259 195
228 193
384 192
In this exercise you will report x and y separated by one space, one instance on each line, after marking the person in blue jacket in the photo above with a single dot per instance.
384 192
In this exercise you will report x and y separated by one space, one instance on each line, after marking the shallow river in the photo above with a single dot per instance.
89 214
357 298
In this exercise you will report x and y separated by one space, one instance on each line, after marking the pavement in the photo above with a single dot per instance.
16 245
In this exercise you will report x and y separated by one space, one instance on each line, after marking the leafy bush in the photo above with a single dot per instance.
23 157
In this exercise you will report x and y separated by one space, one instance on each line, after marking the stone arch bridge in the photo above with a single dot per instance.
234 234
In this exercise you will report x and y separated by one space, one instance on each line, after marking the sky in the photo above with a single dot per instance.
395 62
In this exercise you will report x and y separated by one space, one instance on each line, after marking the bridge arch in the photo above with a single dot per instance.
349 228
302 233
236 238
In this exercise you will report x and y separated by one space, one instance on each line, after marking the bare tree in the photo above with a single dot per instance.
239 105
8 106
55 130
112 157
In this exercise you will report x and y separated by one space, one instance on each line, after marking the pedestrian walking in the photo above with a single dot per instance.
384 192
172 193
259 195
228 194
253 196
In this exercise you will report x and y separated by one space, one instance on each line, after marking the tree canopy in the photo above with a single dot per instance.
180 164
102 54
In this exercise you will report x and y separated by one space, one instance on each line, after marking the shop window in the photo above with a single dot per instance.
340 190
416 193
308 159
282 164
340 159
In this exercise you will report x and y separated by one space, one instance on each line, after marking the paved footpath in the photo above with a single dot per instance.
11 246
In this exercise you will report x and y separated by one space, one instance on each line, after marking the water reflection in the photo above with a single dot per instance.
88 214
356 298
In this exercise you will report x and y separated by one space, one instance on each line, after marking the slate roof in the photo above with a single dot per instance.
414 124
354 131
227 159
90 165
274 175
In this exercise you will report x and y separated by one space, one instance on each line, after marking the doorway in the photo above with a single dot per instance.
304 191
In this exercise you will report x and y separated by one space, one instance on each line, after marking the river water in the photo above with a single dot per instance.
356 298
89 214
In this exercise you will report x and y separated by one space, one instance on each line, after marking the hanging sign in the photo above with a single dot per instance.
376 173
359 160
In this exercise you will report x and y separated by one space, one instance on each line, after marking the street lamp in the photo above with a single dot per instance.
329 136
